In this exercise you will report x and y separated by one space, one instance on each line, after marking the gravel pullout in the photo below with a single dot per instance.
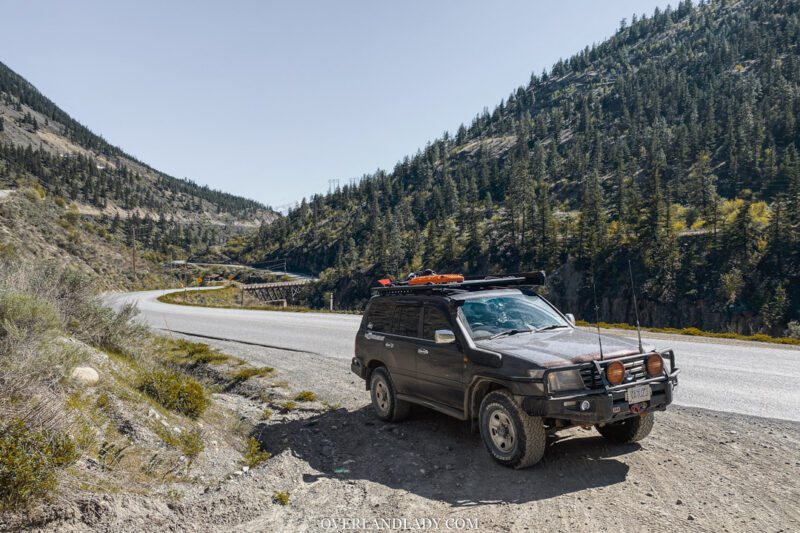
698 470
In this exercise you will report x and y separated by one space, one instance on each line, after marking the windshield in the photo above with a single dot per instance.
509 314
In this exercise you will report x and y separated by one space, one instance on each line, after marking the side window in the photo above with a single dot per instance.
434 319
379 316
406 321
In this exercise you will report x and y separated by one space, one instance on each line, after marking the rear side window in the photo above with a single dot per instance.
379 316
407 320
434 319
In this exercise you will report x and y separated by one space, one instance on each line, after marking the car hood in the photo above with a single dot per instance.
562 346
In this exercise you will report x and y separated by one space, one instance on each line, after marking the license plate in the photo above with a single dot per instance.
638 394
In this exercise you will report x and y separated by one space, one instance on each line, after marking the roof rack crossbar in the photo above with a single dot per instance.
525 279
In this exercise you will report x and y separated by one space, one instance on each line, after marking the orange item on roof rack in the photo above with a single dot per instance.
436 278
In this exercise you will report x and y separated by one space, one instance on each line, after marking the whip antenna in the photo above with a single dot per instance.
635 307
597 318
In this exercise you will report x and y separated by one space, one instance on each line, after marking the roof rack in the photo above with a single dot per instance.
470 284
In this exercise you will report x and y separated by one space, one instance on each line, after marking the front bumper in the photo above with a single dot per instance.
605 404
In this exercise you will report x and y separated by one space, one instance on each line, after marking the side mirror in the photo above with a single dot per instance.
444 336
571 318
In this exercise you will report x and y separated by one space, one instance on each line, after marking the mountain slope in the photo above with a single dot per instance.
40 144
673 144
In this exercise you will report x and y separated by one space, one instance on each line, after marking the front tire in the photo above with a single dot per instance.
512 437
384 397
629 430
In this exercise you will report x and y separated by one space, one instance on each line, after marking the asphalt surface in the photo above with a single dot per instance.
749 378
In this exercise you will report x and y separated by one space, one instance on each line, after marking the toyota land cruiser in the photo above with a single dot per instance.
496 353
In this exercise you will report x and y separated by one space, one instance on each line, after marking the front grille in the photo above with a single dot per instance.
634 371
591 379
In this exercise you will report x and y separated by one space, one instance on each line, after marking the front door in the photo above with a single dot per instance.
439 366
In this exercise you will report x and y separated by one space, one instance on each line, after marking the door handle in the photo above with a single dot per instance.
422 351
389 345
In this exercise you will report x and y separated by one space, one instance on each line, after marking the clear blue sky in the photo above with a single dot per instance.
271 99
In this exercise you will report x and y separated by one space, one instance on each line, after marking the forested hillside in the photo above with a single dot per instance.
673 144
43 146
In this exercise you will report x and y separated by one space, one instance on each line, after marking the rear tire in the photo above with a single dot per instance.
629 430
384 397
512 437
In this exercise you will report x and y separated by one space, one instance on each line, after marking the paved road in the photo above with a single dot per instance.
740 377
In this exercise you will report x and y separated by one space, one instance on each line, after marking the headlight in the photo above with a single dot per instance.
615 372
564 380
655 365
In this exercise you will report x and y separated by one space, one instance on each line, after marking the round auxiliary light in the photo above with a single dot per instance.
615 372
585 405
655 365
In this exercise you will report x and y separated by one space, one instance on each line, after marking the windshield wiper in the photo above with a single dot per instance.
551 326
509 332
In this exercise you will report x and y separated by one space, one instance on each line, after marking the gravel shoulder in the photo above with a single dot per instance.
698 470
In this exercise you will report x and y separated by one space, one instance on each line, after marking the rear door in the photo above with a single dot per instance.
400 345
439 366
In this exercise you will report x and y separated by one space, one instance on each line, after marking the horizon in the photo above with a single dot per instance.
277 115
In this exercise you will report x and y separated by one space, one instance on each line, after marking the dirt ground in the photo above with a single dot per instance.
344 470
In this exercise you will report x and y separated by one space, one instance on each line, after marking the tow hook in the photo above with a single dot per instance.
638 407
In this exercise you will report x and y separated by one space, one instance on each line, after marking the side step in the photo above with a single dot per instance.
455 413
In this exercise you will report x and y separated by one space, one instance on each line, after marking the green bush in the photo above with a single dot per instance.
191 443
305 396
281 498
25 318
28 462
254 455
175 392
249 372
196 352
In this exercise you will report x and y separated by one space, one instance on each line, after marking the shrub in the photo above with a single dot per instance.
72 216
793 330
28 325
102 327
196 352
305 396
33 195
102 401
175 392
288 406
254 455
60 202
25 318
191 443
281 498
247 373
28 460
266 415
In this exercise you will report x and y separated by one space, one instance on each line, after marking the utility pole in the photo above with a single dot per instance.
133 251
284 266
331 301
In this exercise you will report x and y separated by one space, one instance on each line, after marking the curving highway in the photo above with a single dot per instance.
734 376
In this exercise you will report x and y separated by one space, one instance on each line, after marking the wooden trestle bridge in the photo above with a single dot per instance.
284 292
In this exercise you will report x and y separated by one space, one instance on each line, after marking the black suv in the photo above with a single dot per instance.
494 352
